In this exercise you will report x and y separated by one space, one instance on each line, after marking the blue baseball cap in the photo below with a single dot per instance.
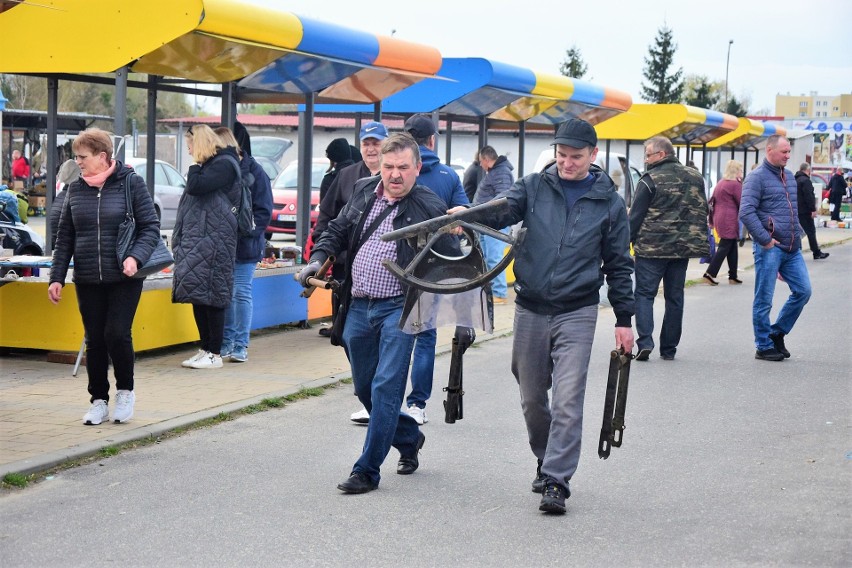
375 130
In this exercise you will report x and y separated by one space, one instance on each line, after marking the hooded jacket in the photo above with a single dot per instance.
561 264
441 179
497 181
250 249
88 228
204 241
769 208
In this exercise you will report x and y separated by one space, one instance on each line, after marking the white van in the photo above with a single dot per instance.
624 174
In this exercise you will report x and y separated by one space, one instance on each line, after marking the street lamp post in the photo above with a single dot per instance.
727 66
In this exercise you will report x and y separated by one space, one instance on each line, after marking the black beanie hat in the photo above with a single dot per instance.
242 136
338 150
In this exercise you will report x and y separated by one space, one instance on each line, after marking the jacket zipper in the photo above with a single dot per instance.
100 267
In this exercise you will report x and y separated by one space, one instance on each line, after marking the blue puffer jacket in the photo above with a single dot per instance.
441 179
769 209
496 182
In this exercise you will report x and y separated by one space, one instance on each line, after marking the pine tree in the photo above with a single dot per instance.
573 64
736 107
662 88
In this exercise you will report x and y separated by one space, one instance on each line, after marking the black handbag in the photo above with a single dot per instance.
160 259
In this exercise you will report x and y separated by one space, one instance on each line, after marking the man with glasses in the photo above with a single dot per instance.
668 226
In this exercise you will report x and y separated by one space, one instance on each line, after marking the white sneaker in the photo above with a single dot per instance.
188 363
361 417
419 414
97 413
124 400
207 361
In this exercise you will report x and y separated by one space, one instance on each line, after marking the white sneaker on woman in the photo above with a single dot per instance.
208 361
188 363
124 401
97 413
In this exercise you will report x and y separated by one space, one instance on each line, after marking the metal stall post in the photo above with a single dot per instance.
151 131
377 111
303 179
120 123
449 135
50 189
229 105
522 137
483 131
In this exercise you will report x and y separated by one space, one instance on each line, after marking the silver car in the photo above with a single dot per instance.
168 187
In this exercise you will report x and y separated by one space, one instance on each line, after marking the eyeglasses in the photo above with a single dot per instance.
653 154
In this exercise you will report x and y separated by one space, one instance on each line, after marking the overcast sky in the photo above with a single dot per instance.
783 46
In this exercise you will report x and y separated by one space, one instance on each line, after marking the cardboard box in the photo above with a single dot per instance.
19 184
37 201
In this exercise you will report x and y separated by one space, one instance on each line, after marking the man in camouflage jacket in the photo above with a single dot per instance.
668 226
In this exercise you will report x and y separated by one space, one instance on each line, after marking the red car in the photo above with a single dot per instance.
284 196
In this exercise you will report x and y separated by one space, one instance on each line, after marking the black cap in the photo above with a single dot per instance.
576 133
420 126
338 150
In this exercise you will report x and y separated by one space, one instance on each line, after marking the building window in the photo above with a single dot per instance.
835 109
803 103
802 115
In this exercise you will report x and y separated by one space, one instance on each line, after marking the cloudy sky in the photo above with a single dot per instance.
783 46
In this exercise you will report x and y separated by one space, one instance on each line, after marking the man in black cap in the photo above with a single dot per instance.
577 233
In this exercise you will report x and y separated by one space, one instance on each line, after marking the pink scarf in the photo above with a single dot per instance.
97 180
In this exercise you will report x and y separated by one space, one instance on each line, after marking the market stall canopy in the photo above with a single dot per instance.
217 41
39 37
683 124
748 134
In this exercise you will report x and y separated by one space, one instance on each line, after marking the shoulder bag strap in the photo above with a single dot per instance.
127 197
374 225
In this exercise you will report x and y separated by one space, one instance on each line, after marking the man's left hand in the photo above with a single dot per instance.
624 338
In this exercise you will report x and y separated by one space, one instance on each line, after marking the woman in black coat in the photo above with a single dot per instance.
91 213
204 241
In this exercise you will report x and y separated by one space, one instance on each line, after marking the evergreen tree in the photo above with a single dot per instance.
698 91
573 64
736 107
662 87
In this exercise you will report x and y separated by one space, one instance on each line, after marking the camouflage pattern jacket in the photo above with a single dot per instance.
668 218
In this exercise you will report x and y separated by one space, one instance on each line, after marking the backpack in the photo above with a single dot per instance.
243 209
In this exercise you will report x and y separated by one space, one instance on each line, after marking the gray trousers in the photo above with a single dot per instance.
552 353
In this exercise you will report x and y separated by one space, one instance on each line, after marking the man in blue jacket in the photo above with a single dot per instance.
444 182
577 234
769 210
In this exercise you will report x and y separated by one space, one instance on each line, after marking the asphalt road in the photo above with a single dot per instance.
727 461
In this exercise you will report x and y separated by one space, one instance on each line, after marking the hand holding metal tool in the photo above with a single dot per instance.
313 276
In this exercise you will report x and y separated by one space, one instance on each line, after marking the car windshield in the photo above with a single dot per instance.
287 178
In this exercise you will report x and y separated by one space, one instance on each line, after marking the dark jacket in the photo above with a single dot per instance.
497 181
250 249
805 194
668 218
561 264
88 228
337 196
53 215
472 177
769 208
343 232
330 176
837 188
441 179
204 241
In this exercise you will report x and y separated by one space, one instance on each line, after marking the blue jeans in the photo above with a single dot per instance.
493 250
238 314
649 273
379 354
422 368
768 263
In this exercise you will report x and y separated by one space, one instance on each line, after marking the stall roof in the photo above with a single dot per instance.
747 134
21 119
218 41
683 124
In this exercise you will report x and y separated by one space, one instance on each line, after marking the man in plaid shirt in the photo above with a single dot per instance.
372 302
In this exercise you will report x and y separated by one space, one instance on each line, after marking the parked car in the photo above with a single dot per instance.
168 187
270 147
18 237
271 168
284 196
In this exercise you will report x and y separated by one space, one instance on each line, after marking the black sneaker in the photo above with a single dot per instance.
778 341
538 482
820 255
553 497
643 354
770 354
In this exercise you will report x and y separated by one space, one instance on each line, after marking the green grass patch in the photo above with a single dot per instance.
16 480
109 451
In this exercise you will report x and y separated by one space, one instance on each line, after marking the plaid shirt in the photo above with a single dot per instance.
370 279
